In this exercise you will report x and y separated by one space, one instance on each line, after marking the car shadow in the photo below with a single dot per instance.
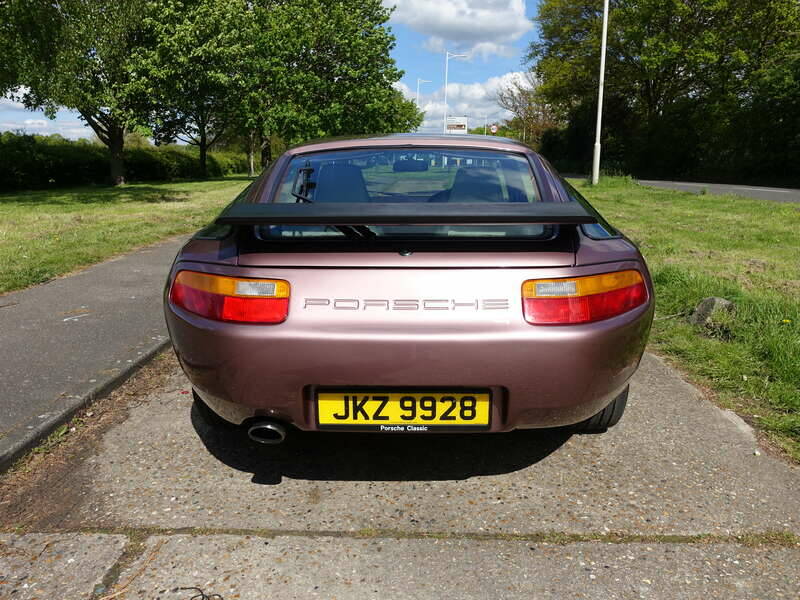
377 457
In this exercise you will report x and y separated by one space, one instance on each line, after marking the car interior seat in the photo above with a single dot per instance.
476 184
340 183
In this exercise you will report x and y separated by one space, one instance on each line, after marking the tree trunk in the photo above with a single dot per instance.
116 142
112 135
251 152
266 151
203 155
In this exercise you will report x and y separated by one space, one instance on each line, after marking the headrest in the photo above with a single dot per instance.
340 183
476 184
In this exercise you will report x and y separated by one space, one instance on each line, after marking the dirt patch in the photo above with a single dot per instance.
754 265
41 489
791 286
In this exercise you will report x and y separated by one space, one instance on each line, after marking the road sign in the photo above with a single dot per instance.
457 125
493 129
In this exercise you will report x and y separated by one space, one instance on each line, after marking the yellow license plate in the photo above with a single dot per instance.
403 411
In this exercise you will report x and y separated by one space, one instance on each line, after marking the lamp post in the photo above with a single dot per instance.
596 158
418 82
448 56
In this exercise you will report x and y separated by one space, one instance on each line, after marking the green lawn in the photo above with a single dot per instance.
48 233
747 251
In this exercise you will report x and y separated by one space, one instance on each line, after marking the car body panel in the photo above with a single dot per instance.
555 375
416 260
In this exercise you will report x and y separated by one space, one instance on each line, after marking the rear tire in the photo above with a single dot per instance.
608 417
208 415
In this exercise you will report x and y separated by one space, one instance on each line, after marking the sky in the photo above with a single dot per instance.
493 34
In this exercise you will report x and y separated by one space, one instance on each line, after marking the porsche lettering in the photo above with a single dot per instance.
414 304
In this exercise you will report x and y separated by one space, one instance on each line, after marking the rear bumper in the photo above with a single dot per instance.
538 376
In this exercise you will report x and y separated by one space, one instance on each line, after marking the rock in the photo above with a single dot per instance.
704 312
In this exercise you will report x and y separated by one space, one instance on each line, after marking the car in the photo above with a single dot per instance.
409 284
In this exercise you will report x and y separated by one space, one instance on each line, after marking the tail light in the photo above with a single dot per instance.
231 298
582 299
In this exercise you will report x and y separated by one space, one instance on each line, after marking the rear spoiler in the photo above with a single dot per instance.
342 214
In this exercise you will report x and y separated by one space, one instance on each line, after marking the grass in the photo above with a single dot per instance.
747 251
44 234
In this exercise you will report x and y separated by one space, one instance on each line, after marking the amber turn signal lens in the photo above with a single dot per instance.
582 299
233 299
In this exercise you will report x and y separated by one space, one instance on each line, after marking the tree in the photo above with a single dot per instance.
532 115
193 72
276 71
504 129
683 77
323 69
75 54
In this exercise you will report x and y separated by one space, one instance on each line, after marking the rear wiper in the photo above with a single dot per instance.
301 195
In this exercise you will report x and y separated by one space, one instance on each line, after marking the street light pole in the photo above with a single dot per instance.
448 56
596 158
418 82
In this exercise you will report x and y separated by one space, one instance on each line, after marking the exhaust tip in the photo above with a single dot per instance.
267 432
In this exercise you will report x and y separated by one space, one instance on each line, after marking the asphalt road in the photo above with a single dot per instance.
63 342
764 193
652 509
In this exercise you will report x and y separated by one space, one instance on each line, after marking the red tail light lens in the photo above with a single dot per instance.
582 299
233 299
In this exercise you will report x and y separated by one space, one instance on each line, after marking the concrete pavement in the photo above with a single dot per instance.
763 193
675 502
74 338
179 567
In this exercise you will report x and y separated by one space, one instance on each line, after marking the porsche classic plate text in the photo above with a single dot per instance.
403 411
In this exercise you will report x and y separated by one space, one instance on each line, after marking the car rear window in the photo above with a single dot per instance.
419 175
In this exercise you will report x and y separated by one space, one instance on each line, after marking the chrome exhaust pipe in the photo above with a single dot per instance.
267 432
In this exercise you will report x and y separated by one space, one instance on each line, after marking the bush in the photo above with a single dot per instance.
36 162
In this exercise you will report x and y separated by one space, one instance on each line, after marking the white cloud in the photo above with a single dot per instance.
66 123
478 27
11 100
69 128
475 100
403 89
74 133
35 124
9 104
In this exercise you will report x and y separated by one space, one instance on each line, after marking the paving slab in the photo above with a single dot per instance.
46 566
64 343
676 464
300 567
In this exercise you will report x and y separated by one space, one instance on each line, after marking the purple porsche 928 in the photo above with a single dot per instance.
409 283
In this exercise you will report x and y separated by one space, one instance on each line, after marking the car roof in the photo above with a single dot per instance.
409 140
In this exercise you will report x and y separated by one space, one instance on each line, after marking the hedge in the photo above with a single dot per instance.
36 162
